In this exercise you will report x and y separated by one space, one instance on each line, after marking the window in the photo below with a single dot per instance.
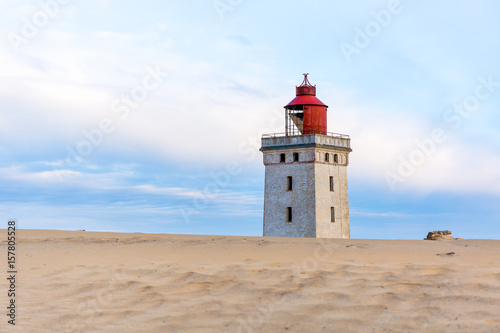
289 214
295 157
289 183
331 184
336 158
327 157
282 158
332 212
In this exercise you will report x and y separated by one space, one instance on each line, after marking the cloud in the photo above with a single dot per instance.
364 213
235 42
119 179
382 137
171 191
226 86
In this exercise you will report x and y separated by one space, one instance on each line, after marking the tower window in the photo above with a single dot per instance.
289 183
295 157
327 157
331 184
336 158
332 212
289 214
282 158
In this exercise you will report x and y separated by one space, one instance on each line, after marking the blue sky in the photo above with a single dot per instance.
147 117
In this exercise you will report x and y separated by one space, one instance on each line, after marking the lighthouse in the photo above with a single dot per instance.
305 191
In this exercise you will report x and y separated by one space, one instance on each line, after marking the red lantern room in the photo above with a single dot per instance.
305 114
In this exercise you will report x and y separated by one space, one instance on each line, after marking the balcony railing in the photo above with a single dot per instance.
279 135
282 140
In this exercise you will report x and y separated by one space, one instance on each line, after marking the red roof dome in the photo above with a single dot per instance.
306 95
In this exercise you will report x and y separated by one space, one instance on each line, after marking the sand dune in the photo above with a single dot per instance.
109 282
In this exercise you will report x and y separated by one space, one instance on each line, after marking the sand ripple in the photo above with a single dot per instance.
221 284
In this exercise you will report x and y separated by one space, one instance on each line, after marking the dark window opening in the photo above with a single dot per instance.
332 212
331 184
327 157
336 158
295 157
282 158
289 214
289 183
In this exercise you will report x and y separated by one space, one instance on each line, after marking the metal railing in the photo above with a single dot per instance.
279 135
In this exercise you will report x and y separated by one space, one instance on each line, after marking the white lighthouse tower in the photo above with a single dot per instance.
306 173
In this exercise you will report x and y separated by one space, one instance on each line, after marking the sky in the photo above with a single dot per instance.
147 116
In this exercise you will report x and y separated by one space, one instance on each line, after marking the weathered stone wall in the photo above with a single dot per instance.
311 198
325 199
301 198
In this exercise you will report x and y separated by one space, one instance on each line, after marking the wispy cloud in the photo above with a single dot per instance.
228 81
362 213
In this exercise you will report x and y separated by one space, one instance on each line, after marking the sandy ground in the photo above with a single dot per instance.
109 282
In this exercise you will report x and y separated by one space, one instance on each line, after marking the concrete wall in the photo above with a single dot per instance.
301 198
325 199
311 198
